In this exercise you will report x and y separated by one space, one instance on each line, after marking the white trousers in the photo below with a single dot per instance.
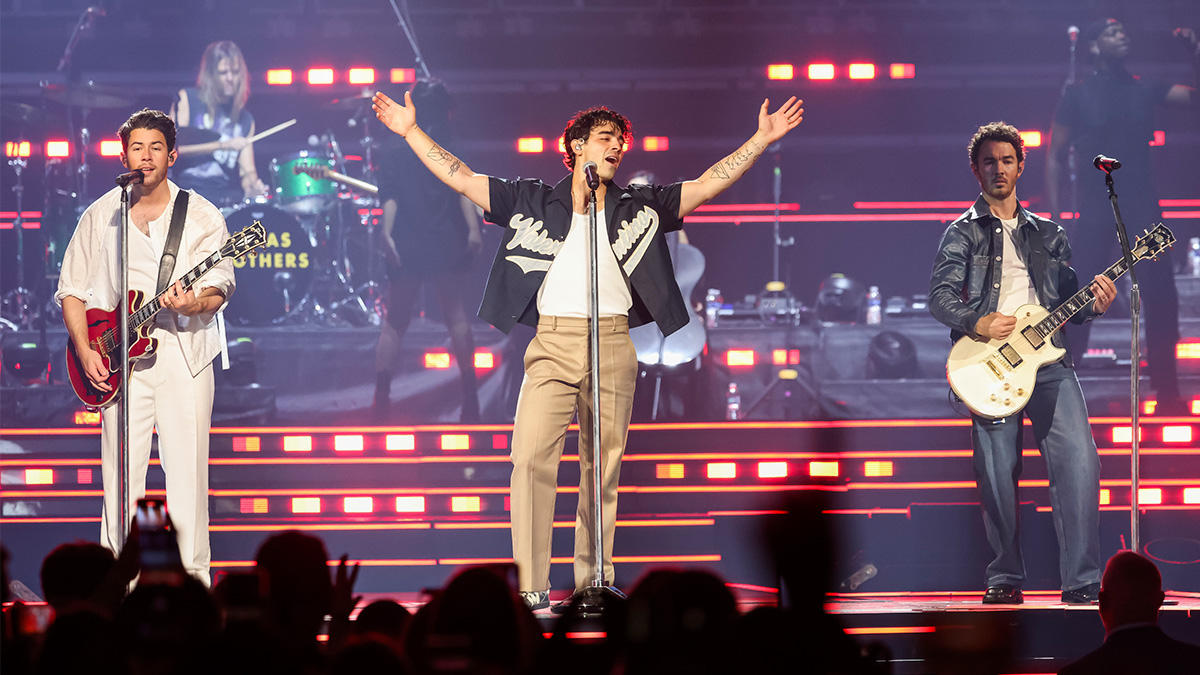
164 395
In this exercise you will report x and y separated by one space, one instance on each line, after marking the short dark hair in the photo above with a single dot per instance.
996 131
581 125
148 119
1095 29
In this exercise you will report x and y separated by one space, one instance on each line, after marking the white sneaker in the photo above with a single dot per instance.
536 600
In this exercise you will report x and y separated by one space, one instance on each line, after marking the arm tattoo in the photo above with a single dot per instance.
747 153
439 155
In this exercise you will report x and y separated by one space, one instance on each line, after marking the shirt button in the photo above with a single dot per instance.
997 258
997 230
995 285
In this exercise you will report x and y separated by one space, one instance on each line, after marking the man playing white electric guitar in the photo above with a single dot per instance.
993 259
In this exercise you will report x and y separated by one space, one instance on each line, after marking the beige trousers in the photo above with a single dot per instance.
557 382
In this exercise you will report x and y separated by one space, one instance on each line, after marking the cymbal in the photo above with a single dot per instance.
195 136
87 95
21 113
350 102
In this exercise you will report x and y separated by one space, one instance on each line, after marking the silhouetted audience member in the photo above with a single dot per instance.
294 585
1130 595
368 655
680 622
168 629
801 545
384 620
72 573
965 643
81 641
477 624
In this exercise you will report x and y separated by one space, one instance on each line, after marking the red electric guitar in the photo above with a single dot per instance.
104 333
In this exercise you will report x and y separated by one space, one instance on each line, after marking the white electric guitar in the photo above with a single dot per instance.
995 378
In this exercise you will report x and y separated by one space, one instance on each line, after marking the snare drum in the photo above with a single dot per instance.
298 191
271 283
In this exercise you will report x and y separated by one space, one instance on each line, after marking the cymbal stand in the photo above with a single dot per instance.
20 300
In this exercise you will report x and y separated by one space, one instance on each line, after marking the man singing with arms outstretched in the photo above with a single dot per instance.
993 259
539 278
170 391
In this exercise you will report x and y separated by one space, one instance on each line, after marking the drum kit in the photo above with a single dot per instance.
322 264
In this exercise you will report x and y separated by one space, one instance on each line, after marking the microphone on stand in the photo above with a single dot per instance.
136 177
590 175
1106 164
1073 34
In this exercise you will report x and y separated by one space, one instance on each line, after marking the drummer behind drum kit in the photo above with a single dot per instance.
320 264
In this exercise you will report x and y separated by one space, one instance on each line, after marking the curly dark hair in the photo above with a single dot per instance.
148 119
581 125
996 131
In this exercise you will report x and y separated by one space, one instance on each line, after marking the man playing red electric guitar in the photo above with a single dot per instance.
172 388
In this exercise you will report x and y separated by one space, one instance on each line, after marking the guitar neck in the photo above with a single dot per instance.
1076 303
146 312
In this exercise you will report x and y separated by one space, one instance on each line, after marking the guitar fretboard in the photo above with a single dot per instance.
1076 303
112 337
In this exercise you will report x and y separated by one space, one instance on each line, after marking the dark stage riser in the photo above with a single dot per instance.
900 494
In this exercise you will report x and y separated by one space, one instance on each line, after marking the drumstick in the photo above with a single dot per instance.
268 132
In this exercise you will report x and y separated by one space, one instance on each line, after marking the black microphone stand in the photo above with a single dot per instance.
1135 365
597 597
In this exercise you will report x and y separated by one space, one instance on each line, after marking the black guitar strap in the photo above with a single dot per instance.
1037 261
166 266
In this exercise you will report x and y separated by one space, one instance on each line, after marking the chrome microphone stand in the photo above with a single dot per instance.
1135 365
123 397
595 599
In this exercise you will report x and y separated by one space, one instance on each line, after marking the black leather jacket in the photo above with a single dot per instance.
965 283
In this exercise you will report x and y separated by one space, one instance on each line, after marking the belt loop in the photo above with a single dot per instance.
553 323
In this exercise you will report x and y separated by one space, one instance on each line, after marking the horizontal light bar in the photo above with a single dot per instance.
772 469
1187 350
1177 434
739 358
87 417
472 504
821 71
348 443
437 360
58 148
247 443
403 75
456 442
1105 496
878 469
861 71
1150 496
400 442
83 476
358 505
297 444
361 76
902 71
485 360
656 143
252 505
320 76
1191 495
17 149
410 504
1032 139
673 471
306 504
499 441
781 71
531 144
823 469
721 470
279 76
39 476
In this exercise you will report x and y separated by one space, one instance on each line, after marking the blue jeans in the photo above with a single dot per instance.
1060 426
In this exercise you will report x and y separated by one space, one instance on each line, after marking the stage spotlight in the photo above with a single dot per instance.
840 299
891 356
25 364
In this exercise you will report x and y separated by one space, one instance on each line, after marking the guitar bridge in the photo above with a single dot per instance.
995 371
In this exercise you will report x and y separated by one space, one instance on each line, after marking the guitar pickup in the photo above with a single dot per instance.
1010 355
1031 336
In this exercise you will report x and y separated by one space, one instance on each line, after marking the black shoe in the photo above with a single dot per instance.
563 607
1088 595
1003 594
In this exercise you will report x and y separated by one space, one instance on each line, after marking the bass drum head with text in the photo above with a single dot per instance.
273 281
